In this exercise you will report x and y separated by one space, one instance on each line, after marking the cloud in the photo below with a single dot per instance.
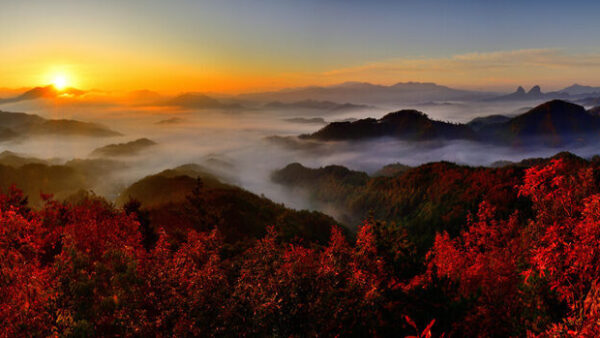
549 66
551 58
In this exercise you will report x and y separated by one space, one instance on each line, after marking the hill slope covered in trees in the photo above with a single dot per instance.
529 268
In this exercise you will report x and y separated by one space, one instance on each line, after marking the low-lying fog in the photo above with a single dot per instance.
233 142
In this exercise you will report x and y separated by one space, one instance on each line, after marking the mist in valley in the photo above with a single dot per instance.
235 144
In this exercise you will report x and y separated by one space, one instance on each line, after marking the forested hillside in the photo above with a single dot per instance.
189 198
425 199
522 262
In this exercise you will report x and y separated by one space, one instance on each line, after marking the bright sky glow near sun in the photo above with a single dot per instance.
235 46
60 81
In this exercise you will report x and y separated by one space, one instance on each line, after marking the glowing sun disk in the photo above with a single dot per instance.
60 82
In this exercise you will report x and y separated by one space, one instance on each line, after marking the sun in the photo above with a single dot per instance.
60 81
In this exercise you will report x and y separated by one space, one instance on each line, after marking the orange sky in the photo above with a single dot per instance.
122 71
230 47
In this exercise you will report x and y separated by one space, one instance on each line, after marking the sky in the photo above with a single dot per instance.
234 46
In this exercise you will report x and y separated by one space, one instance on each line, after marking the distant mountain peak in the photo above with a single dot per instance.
405 124
123 149
577 86
415 83
535 90
411 113
535 93
49 91
28 125
558 106
370 94
553 123
579 89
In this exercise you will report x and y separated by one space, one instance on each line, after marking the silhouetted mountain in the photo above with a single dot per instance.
173 120
198 101
17 160
124 149
479 122
535 93
367 93
18 120
23 125
312 120
38 92
43 92
577 89
553 123
294 173
71 128
317 105
520 94
405 124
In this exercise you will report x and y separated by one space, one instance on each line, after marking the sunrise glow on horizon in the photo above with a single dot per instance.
230 48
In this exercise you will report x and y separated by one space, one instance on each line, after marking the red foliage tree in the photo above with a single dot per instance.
483 264
90 269
22 279
565 237
184 289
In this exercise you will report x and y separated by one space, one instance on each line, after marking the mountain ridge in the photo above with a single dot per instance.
553 123
368 93
403 124
49 91
22 125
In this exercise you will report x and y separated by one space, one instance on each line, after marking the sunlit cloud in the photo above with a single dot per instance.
551 67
